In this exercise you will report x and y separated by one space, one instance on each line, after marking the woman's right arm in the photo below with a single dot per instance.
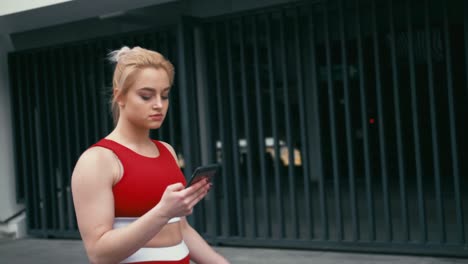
92 181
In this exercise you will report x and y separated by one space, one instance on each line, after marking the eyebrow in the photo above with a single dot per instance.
153 89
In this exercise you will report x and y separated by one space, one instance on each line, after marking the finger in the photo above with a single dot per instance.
175 187
200 183
198 197
197 186
199 191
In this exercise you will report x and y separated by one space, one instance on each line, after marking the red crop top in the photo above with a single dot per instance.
144 179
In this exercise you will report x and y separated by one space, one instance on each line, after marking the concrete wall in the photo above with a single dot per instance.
8 205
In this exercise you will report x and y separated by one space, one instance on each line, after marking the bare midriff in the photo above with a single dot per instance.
170 235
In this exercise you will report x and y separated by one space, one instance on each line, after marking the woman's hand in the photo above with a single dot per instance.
179 201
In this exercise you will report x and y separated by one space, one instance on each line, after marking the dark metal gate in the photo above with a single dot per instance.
339 124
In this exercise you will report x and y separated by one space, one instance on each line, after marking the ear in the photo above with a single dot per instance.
118 97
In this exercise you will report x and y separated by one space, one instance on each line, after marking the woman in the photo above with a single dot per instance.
129 193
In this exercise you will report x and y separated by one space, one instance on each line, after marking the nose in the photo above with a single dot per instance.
158 102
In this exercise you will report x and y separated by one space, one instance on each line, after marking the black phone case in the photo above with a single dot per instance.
202 172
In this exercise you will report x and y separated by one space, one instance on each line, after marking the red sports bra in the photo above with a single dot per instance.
144 179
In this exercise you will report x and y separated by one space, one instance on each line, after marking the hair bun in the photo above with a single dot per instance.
115 55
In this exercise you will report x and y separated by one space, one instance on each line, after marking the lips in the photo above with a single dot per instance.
156 117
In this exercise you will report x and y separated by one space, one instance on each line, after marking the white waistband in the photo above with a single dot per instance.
173 253
124 221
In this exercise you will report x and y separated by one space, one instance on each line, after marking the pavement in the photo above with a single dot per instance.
50 251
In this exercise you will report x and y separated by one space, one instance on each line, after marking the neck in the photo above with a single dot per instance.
126 132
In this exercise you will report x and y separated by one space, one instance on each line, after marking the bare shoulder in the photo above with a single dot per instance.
96 164
171 149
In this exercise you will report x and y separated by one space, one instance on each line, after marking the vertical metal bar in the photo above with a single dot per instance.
157 133
289 139
465 27
203 104
465 34
130 40
171 114
214 219
50 139
416 132
40 174
74 126
220 98
85 125
184 95
100 75
59 142
149 43
271 78
66 82
331 109
317 131
60 203
107 79
396 100
349 127
248 131
53 139
166 129
365 130
261 134
435 143
70 210
46 143
382 142
39 150
62 129
303 125
186 78
91 76
139 40
161 132
234 136
453 129
200 96
31 106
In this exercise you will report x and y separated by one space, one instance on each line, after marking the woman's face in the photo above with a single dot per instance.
147 100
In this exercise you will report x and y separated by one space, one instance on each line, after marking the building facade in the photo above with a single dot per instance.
339 124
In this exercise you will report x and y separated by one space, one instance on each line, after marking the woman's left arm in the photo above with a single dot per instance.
200 251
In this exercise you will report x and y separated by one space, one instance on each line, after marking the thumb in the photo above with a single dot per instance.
175 187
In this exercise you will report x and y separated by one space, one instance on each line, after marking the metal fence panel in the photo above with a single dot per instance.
359 85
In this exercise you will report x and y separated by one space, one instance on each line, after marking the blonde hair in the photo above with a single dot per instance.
128 62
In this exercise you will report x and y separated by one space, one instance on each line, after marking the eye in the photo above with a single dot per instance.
145 97
165 97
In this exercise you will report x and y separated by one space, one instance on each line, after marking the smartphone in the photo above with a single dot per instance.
203 172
